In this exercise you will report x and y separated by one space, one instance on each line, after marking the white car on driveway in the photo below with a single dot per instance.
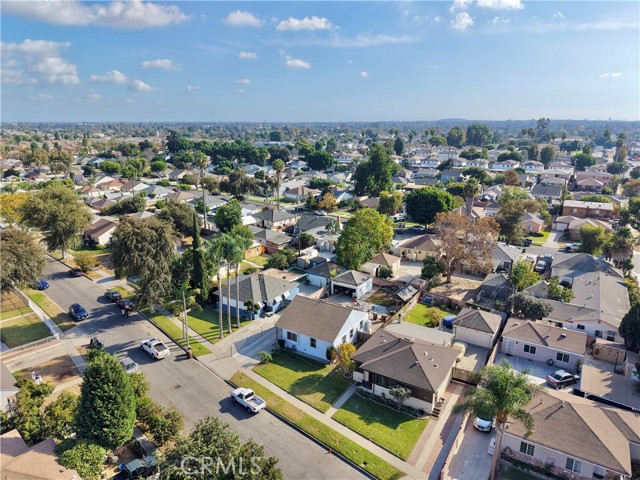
155 348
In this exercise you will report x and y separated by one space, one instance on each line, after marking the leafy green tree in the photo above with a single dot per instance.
478 134
635 173
23 259
107 409
526 306
320 160
510 218
432 266
532 152
228 216
617 168
212 438
374 175
134 204
180 215
181 159
364 235
59 213
400 393
438 141
398 146
323 184
546 154
332 145
58 417
306 240
631 188
558 292
523 275
27 411
109 167
238 183
502 394
278 260
243 238
630 328
592 239
456 137
84 457
479 174
425 203
583 160
60 161
328 202
145 248
390 202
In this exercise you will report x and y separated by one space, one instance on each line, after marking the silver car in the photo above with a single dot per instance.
129 365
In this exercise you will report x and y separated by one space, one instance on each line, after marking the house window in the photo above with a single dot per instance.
574 465
527 448
580 327
361 324
575 210
562 357
598 333
344 339
351 333
312 342
611 335
530 349
381 380
292 336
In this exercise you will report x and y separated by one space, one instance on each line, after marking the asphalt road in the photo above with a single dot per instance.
188 385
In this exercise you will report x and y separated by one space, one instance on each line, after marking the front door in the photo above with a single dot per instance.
511 347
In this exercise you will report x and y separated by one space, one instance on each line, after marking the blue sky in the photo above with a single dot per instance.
319 61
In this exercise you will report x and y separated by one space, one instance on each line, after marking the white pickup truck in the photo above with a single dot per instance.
248 399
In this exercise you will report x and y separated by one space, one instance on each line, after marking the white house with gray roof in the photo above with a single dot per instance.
269 293
477 327
352 283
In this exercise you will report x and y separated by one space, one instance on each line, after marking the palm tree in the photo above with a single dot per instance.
228 250
243 242
184 301
620 247
503 394
216 260
278 166
201 161
470 189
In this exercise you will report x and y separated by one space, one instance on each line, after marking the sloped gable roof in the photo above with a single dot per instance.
479 320
547 335
352 277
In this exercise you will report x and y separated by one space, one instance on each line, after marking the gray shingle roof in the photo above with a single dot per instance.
325 269
478 320
274 215
540 333
262 288
351 277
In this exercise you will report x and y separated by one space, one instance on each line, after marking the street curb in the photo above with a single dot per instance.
335 453
63 263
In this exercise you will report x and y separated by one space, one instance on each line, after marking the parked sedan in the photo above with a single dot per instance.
78 312
75 272
112 295
483 424
561 379
321 213
541 266
129 365
416 228
41 284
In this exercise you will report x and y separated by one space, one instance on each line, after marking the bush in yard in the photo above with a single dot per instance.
400 393
84 457
27 415
342 356
85 261
59 416
385 272
249 270
166 426
432 266
265 357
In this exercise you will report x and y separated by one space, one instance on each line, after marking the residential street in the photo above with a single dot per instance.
193 389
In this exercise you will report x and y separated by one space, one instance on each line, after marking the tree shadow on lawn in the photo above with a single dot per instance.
307 384
371 412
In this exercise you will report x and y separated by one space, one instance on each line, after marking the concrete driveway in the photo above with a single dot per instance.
537 371
472 461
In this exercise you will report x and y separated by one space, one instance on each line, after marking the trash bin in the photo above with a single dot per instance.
189 353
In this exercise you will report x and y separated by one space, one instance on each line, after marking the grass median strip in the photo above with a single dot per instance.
392 430
314 383
53 311
175 332
373 464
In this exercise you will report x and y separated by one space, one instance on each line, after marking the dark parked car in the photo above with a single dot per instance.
112 295
138 468
125 303
41 284
561 379
75 272
78 312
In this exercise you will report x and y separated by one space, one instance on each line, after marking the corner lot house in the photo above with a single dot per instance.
272 294
576 438
545 343
388 359
312 326
352 283
477 327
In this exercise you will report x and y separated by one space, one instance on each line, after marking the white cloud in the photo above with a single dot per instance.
192 88
297 63
164 63
611 75
501 4
243 19
248 55
244 81
140 86
93 96
40 60
364 74
132 14
437 19
462 21
363 41
499 20
114 76
459 5
11 77
44 96
542 27
240 90
558 15
306 23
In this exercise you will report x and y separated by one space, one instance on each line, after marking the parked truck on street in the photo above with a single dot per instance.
248 399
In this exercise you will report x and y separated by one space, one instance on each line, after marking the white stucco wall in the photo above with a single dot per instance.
474 337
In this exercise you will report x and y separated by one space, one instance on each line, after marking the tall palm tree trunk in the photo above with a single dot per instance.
220 304
204 202
237 295
468 203
497 450
229 296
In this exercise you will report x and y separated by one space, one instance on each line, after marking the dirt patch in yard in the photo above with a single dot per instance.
383 298
460 288
10 301
56 371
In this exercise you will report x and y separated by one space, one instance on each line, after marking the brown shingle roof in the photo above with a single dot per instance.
428 243
411 362
384 259
101 227
546 335
314 318
478 320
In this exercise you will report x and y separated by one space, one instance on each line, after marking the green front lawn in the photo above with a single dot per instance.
21 330
14 313
539 238
53 311
259 260
392 430
206 323
423 315
314 383
175 332
373 464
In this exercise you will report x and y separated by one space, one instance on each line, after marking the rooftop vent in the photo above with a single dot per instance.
563 335
435 365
